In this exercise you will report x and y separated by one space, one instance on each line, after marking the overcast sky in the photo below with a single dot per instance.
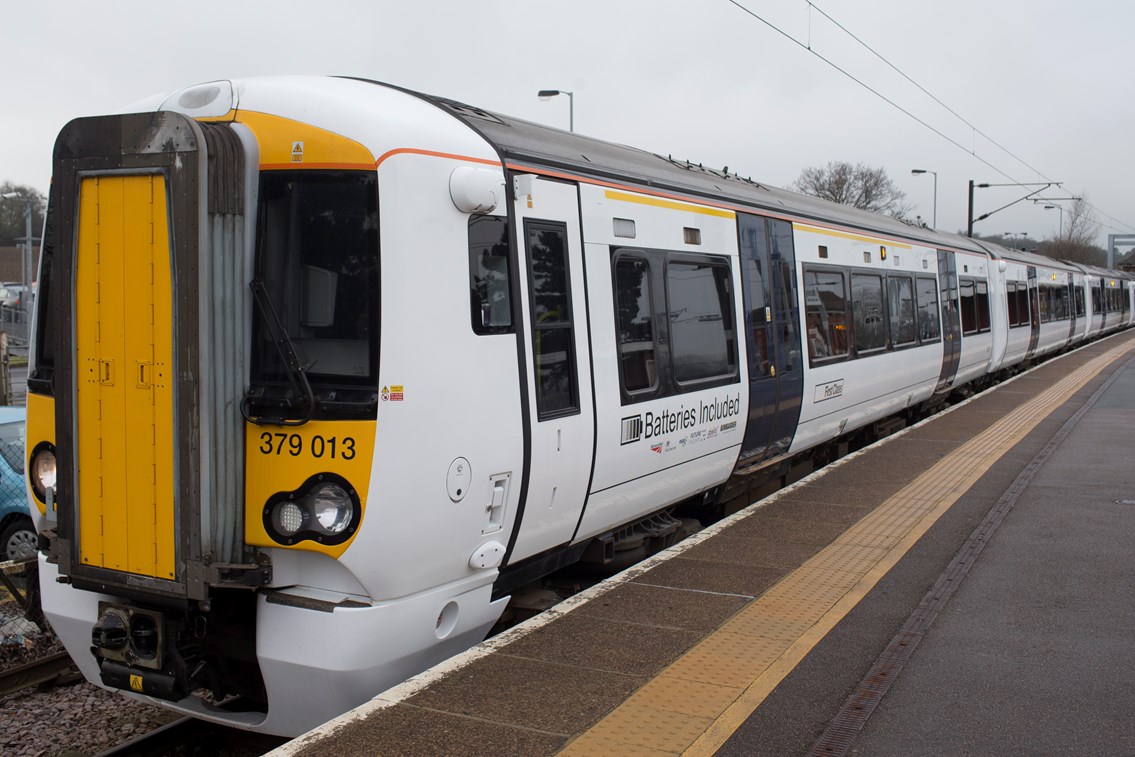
1050 81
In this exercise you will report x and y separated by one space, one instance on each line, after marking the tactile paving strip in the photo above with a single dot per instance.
844 728
752 652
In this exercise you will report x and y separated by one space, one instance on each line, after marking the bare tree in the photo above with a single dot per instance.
856 185
1076 243
1082 227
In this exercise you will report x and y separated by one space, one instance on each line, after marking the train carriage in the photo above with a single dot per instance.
324 370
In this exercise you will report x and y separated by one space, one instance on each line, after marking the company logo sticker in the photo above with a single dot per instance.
721 412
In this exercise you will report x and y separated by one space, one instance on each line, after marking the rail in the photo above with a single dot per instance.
36 673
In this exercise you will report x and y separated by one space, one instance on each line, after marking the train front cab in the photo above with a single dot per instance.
123 450
157 576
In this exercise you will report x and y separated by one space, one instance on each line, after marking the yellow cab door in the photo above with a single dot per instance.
124 394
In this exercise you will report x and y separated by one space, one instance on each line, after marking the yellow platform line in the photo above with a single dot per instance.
693 706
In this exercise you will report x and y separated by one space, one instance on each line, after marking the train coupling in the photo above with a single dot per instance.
134 651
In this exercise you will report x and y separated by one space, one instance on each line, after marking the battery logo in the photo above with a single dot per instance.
632 429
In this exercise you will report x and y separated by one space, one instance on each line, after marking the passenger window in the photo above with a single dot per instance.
982 303
702 337
825 314
900 299
968 306
1023 303
553 332
489 286
758 318
784 287
1045 303
929 323
867 311
633 303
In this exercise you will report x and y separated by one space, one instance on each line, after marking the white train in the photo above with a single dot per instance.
324 369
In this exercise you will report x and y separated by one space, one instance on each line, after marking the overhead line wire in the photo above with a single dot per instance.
873 91
1113 218
903 110
929 94
957 115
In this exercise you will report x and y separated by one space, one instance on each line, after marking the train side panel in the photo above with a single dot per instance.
974 301
449 442
855 376
660 437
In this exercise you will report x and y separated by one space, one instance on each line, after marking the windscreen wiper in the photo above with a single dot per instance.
297 373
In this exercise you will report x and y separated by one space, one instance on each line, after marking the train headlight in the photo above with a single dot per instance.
42 470
324 509
332 507
289 517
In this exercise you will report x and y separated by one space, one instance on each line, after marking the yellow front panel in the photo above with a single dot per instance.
280 459
289 144
41 429
124 355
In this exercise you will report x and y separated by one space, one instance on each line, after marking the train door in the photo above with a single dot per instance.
776 377
124 351
1071 288
951 323
1034 312
561 416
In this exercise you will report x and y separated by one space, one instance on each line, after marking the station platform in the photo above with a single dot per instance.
966 586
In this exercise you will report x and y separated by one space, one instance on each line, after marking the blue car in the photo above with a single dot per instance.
17 535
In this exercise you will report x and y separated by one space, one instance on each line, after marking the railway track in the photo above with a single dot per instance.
44 670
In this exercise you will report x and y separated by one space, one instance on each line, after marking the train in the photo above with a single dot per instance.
324 370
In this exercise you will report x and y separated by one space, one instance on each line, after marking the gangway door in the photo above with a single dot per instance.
147 273
123 393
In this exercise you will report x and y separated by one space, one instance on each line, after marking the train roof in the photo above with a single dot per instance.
523 142
520 141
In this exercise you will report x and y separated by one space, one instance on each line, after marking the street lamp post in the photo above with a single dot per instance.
548 94
918 171
1050 207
